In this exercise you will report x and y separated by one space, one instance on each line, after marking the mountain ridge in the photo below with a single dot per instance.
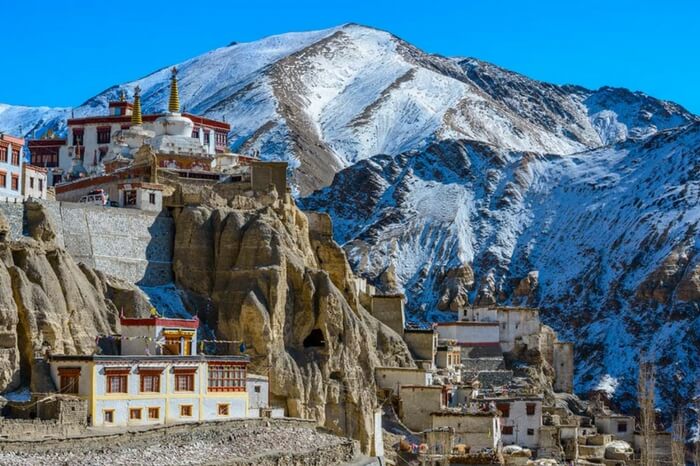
325 99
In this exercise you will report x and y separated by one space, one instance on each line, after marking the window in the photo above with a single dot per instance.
103 135
135 414
31 182
226 377
78 137
117 380
223 409
15 183
531 432
129 197
69 378
185 410
150 381
15 157
154 413
504 408
184 380
206 137
3 179
109 416
257 389
45 157
622 426
530 409
195 133
41 185
152 198
507 430
174 340
3 154
220 139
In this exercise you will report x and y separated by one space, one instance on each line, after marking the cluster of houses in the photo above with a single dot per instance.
477 395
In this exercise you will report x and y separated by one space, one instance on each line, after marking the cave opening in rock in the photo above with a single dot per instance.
315 339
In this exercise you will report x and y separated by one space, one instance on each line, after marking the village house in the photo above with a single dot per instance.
35 182
418 402
448 357
11 162
478 429
392 378
619 426
158 378
422 342
521 419
469 333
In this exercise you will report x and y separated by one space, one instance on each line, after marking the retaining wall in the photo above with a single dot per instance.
131 244
343 451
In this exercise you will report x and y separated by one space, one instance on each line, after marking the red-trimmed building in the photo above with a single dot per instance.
89 140
159 377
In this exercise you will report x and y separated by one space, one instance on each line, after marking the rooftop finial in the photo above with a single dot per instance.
136 118
174 105
122 96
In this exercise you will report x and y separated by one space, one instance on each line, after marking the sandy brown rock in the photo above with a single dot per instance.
286 292
48 301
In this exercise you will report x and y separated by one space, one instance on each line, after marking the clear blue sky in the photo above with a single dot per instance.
60 53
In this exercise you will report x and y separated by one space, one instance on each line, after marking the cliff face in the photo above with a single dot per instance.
286 290
47 300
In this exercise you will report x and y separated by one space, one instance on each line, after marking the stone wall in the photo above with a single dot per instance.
563 362
14 212
422 343
45 441
36 429
130 244
389 310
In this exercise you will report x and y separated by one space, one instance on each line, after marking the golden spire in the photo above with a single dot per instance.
136 110
174 106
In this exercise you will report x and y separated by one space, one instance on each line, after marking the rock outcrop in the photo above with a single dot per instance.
48 301
266 278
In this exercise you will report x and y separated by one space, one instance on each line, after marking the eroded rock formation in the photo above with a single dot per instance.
265 277
48 301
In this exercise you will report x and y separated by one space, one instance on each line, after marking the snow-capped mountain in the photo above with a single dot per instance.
326 99
613 233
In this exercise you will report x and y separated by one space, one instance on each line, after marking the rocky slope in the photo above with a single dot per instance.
261 274
48 300
326 99
613 233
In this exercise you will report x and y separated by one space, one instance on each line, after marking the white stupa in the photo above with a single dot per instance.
173 132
